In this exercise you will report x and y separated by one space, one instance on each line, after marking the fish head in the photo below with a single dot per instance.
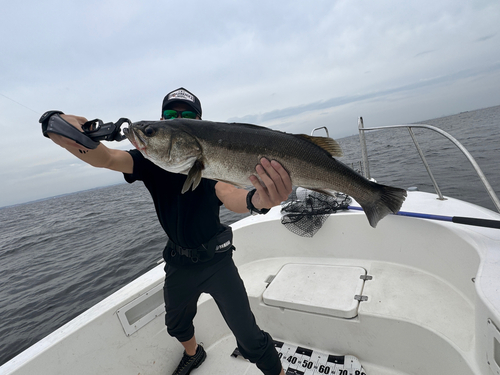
166 144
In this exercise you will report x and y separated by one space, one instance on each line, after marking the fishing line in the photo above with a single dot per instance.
454 219
22 105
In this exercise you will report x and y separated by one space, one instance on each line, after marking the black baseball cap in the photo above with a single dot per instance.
183 96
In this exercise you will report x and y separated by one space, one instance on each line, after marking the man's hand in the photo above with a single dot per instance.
101 156
67 143
276 184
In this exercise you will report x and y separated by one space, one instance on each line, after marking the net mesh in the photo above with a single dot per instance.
305 211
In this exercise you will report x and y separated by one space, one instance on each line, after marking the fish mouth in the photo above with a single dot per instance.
135 137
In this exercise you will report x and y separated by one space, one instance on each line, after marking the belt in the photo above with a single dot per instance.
220 243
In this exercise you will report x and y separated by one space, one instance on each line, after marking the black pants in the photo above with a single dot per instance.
221 280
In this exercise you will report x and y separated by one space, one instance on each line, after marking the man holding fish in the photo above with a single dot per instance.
198 254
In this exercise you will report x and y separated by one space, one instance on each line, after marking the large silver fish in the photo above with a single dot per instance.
229 152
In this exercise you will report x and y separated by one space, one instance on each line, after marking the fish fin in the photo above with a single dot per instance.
328 144
389 201
194 176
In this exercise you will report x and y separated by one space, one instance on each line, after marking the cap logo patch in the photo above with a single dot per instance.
181 94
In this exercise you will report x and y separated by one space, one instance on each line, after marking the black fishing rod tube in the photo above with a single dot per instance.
454 219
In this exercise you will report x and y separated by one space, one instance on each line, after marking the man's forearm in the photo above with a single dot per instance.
234 199
100 157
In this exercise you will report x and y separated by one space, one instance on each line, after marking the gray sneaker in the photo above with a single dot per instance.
189 363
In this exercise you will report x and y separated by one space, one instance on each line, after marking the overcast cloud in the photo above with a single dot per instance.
290 65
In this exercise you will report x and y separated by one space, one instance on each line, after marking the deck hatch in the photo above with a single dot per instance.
136 314
322 289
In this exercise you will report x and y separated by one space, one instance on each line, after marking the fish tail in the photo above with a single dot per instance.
389 200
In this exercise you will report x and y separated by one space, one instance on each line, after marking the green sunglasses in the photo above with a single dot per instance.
169 114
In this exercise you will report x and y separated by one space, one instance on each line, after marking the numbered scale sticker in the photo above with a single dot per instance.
297 360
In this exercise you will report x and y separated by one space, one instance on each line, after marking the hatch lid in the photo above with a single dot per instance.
322 289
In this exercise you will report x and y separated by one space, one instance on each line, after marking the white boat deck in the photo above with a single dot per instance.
396 296
405 307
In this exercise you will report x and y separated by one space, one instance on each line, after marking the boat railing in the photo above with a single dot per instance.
366 167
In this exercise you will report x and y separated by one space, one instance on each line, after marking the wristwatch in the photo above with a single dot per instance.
251 207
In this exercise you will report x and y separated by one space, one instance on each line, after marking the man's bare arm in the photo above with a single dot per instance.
100 157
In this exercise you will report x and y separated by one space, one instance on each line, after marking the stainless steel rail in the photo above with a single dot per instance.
366 167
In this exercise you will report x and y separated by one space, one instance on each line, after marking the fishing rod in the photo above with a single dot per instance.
454 219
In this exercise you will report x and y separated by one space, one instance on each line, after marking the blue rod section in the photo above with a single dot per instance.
455 219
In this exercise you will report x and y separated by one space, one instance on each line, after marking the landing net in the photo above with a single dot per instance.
305 211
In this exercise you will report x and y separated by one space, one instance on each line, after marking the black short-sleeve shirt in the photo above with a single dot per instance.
189 219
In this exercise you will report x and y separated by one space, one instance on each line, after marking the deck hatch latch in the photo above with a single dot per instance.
366 277
360 298
270 279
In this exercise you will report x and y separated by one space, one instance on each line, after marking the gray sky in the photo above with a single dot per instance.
290 65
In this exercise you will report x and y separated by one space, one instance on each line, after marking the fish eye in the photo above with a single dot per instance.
149 131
